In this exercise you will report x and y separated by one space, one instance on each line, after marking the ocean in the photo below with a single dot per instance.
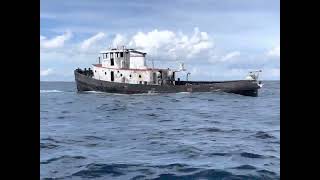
96 135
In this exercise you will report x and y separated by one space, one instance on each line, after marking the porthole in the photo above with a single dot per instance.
118 71
121 75
130 75
139 76
105 73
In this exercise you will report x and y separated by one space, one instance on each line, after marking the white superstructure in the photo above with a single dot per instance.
129 66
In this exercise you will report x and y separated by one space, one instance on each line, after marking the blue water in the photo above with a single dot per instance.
161 136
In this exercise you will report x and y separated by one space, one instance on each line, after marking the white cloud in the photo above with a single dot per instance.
42 38
119 40
46 72
55 42
168 44
206 62
230 56
153 39
86 44
275 52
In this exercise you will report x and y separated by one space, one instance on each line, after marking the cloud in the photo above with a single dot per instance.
275 52
86 44
207 61
46 72
168 44
218 73
42 38
219 57
119 40
230 56
152 40
55 42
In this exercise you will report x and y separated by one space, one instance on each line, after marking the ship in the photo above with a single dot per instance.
125 71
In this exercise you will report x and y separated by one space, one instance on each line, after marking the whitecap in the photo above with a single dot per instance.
94 92
183 93
50 91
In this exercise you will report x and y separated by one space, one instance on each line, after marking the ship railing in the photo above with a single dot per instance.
87 72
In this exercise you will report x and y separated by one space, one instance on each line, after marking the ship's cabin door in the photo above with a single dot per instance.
154 78
112 76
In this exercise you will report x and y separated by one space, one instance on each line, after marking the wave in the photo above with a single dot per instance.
48 146
210 129
183 93
146 94
245 167
101 92
263 135
251 155
61 158
50 91
171 171
93 92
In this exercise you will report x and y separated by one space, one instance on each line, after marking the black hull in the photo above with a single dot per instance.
85 82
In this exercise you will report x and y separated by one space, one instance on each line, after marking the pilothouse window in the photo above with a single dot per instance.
121 54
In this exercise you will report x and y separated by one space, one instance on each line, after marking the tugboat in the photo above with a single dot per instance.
125 71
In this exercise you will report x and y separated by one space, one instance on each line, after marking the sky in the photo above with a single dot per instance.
215 39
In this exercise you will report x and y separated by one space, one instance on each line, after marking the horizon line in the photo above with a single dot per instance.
221 80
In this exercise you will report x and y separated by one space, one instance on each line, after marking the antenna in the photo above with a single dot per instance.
188 75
